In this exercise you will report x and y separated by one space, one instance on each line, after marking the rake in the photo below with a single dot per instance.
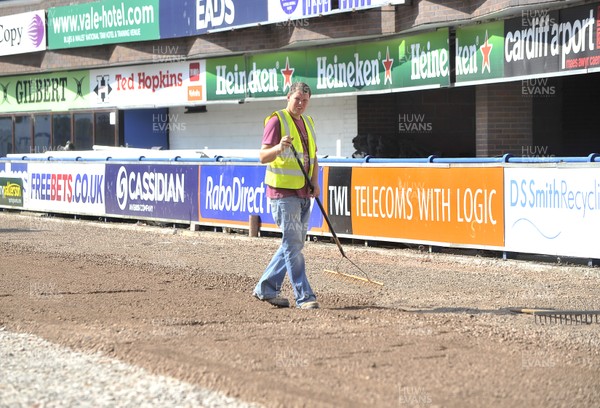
550 316
335 273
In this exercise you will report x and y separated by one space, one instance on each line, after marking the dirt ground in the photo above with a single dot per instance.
440 333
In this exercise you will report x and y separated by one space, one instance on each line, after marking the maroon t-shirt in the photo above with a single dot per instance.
272 136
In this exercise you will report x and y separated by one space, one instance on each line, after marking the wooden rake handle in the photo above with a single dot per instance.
319 203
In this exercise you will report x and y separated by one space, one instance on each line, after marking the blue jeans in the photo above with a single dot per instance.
291 215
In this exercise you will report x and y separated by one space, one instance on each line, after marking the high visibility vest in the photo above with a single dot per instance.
284 171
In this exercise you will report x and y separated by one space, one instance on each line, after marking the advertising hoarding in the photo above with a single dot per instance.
537 43
11 192
230 194
167 84
66 188
183 18
418 61
461 206
22 33
552 210
59 91
103 22
158 191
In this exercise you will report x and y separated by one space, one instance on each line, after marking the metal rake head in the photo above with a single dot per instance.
567 317
552 316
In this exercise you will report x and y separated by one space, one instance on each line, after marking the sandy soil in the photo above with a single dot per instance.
439 333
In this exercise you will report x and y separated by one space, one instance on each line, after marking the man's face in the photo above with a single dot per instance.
297 103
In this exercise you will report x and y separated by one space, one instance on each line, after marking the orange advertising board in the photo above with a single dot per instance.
456 205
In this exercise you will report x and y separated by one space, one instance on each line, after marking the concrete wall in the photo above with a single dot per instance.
240 126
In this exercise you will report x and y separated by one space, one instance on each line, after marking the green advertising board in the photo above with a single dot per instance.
349 68
480 52
57 91
226 78
423 60
106 22
264 75
377 66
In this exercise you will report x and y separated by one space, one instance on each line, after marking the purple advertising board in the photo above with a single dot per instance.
183 18
160 191
230 194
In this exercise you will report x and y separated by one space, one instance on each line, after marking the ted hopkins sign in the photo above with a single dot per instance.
22 33
167 84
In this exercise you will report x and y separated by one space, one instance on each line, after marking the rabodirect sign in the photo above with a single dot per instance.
230 194
152 191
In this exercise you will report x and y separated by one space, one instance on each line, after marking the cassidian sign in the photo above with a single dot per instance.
22 33
152 191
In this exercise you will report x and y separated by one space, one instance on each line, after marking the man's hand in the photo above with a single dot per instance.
285 144
316 191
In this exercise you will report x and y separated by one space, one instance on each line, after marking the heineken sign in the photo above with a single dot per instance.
252 76
395 64
479 52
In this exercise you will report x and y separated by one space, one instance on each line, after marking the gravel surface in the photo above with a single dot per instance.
177 303
37 373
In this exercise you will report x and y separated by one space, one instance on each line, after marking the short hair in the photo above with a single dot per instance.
300 86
